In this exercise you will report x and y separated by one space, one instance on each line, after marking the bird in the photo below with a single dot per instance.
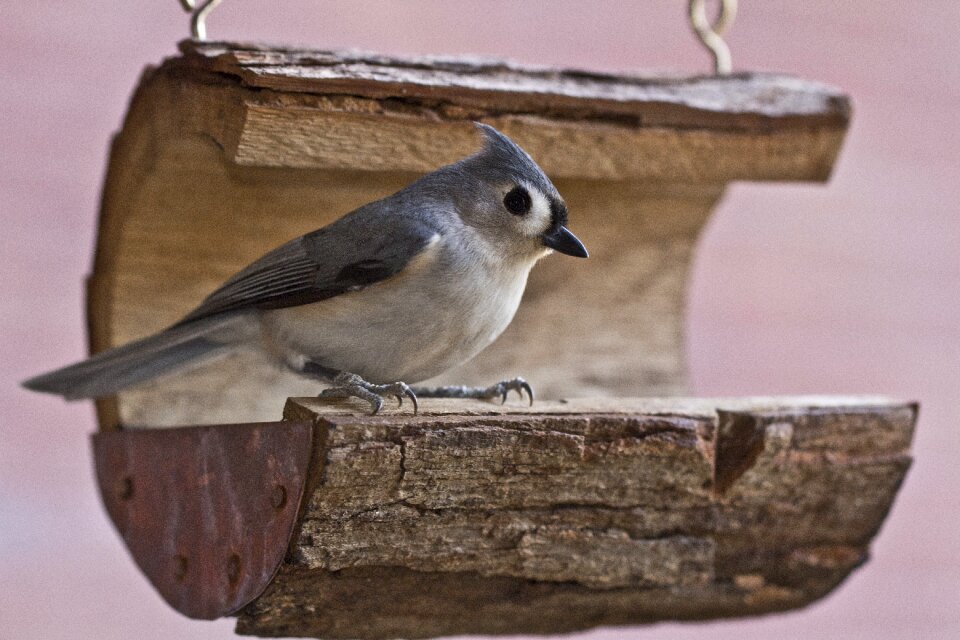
392 293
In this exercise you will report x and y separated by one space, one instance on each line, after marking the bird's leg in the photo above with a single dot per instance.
350 385
499 390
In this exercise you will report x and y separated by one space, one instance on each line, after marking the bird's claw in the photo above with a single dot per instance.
398 390
506 386
349 385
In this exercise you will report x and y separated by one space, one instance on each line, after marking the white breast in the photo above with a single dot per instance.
444 308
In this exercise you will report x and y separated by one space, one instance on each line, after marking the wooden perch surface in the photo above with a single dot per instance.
472 518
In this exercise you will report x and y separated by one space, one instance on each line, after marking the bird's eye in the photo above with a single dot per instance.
518 201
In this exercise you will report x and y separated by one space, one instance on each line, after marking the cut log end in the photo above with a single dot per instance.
479 518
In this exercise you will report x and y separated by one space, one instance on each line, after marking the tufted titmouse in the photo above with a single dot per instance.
400 289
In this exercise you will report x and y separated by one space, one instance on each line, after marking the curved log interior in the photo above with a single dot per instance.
228 151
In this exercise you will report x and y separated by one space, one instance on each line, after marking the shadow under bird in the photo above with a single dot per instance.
397 291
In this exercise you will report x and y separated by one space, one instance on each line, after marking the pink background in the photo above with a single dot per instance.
849 287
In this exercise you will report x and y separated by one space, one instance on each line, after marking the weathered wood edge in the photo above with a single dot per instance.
745 102
705 407
759 561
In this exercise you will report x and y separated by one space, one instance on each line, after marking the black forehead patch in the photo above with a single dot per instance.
558 213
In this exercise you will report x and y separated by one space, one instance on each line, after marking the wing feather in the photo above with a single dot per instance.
356 251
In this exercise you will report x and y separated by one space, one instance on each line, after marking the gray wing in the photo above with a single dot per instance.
364 247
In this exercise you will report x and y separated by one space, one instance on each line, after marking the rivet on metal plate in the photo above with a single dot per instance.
125 488
180 566
279 497
233 569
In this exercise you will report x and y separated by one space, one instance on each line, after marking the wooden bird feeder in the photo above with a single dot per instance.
471 517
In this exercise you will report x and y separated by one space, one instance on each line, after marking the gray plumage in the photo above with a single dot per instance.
399 289
133 363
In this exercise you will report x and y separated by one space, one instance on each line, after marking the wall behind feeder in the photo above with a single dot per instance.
806 288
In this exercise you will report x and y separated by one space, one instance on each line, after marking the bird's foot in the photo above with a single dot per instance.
349 385
499 390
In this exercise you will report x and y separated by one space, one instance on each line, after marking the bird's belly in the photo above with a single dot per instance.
387 332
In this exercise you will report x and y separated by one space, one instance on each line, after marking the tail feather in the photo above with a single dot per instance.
112 370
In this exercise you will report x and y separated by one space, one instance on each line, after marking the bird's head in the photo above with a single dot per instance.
507 196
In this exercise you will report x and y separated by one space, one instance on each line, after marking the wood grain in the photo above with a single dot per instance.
476 518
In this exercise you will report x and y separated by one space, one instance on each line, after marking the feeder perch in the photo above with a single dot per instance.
471 517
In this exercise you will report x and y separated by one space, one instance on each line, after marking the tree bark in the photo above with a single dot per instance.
473 518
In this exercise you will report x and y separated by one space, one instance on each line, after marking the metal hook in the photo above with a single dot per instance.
199 13
710 34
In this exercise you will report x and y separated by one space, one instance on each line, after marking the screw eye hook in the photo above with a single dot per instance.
199 10
711 35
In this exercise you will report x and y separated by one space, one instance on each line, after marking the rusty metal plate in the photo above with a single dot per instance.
207 512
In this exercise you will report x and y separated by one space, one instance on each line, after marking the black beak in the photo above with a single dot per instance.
560 239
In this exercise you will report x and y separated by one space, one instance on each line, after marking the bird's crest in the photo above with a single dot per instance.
503 153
